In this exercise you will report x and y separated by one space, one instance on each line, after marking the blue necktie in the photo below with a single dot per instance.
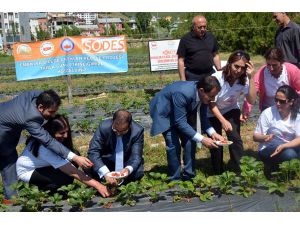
119 154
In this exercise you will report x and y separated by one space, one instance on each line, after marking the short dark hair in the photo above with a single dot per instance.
122 116
48 99
274 54
208 83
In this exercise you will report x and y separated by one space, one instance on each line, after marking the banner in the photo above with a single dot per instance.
70 55
163 55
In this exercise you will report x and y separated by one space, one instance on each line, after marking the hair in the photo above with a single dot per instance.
54 125
234 57
122 116
48 99
208 83
274 54
291 94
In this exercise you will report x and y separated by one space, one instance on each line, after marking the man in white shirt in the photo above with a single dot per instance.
117 145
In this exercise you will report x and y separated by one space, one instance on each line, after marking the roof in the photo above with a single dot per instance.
109 20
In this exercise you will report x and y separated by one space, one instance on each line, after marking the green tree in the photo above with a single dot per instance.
68 31
41 34
143 21
127 30
164 23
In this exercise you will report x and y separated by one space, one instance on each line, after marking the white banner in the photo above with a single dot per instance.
163 55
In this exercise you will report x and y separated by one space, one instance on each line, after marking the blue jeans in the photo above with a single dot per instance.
286 155
173 149
9 173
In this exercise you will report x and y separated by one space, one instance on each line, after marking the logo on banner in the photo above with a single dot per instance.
67 45
153 45
47 48
24 49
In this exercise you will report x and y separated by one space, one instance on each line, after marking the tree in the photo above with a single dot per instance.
68 31
143 21
164 23
41 34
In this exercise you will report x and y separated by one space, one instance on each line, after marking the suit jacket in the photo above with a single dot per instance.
19 114
103 144
172 106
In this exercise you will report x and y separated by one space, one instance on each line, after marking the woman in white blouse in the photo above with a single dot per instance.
278 128
236 79
39 166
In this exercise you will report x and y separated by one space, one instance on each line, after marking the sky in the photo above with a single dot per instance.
150 6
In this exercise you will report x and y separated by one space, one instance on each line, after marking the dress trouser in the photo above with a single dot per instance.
9 173
191 76
235 149
48 178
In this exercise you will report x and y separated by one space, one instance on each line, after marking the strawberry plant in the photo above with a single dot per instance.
225 182
30 197
57 204
80 197
186 190
251 174
128 192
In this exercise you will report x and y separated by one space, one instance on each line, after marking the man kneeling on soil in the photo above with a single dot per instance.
117 146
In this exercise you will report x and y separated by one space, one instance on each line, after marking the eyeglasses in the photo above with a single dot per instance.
243 54
281 101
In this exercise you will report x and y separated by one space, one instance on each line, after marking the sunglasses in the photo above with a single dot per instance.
281 101
243 54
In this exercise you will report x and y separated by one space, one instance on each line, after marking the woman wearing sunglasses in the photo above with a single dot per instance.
236 79
39 166
274 74
278 129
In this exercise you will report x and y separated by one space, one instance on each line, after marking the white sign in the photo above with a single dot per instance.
163 55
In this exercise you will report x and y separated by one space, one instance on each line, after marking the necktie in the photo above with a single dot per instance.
119 154
199 144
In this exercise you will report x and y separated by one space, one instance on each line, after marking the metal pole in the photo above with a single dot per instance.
69 82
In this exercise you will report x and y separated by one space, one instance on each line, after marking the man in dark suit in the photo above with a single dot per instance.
117 145
28 111
171 109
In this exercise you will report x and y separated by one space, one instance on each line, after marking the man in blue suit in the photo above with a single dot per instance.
171 110
117 145
28 111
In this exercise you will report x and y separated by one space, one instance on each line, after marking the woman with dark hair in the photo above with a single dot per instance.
278 128
236 79
39 166
274 74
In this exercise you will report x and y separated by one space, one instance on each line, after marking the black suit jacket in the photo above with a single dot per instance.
103 144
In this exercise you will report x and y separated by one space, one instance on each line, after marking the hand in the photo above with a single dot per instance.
209 143
82 162
279 149
250 70
244 117
217 137
125 171
110 180
268 137
226 125
103 190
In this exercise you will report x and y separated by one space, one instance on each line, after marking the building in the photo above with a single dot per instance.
89 18
57 20
106 23
10 29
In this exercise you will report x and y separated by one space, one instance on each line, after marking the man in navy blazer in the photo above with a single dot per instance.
103 148
171 110
28 111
